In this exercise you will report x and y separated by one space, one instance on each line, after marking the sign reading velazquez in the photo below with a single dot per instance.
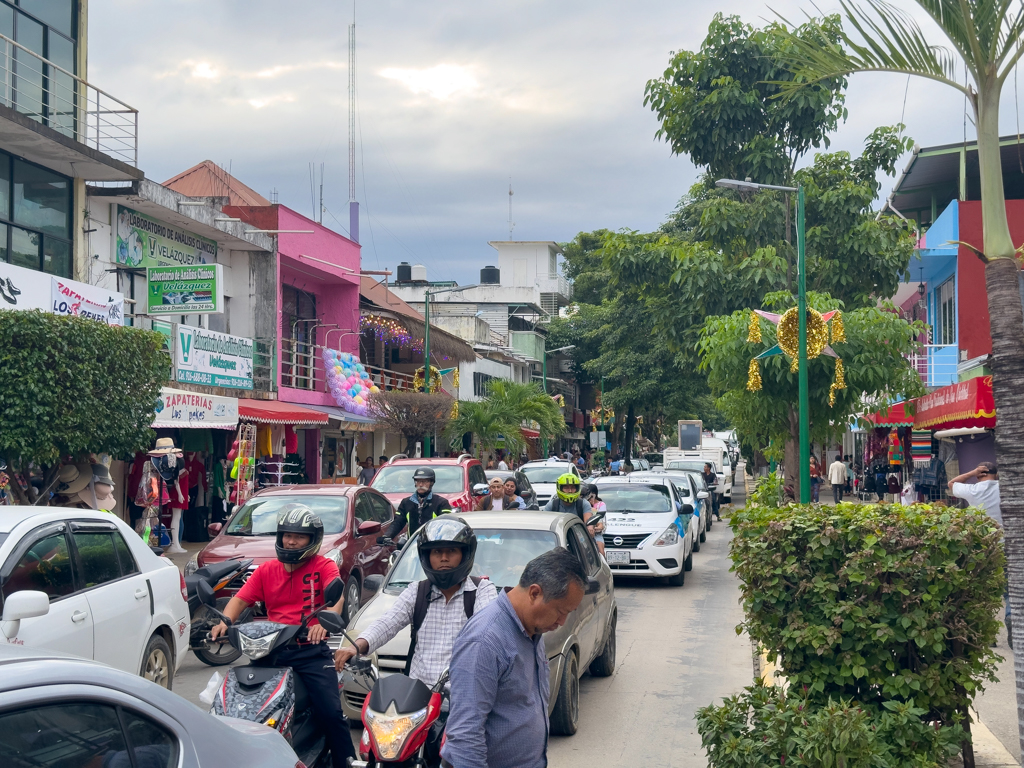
142 241
177 290
213 359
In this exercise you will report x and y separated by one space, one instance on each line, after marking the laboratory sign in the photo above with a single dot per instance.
213 359
179 290
142 241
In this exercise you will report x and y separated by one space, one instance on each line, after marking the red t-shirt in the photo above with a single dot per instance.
290 597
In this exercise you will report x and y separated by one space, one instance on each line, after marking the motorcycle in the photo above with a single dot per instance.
275 696
217 576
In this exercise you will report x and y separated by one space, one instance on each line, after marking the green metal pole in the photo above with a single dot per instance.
544 368
426 361
805 422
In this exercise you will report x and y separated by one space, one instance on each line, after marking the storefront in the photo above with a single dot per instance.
287 441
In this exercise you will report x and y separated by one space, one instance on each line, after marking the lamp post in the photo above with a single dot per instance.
801 301
426 345
544 369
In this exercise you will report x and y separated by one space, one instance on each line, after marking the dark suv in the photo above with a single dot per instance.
455 479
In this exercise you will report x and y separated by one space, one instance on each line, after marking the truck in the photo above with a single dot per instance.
711 449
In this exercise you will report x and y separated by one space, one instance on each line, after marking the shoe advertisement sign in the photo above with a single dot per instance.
185 290
142 241
22 288
213 359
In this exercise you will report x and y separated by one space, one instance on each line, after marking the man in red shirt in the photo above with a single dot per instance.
292 588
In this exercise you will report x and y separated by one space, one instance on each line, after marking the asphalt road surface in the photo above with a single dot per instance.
677 651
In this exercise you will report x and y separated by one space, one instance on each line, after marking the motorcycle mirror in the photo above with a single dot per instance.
331 621
481 489
597 517
205 593
534 507
334 591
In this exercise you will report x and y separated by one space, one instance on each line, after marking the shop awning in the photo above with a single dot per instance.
178 409
276 412
893 416
531 434
965 404
350 422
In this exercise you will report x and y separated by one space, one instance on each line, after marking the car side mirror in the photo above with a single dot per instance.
372 582
214 529
331 621
26 604
687 509
593 587
368 528
481 489
205 593
703 495
334 591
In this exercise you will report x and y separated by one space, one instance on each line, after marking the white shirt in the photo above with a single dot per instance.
502 465
441 625
983 494
837 473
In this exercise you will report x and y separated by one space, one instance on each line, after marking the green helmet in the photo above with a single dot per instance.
571 484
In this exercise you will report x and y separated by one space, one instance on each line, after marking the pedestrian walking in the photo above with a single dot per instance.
837 477
815 479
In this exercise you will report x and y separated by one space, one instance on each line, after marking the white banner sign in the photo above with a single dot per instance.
22 288
213 359
177 408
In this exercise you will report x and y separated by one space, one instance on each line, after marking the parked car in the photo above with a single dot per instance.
455 479
543 474
353 517
507 541
523 485
56 710
82 582
649 531
723 486
703 496
686 491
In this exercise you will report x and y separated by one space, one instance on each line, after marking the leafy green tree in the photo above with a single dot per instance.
70 387
498 419
874 361
491 424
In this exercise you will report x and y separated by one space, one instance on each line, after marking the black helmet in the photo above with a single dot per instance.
424 473
298 518
442 532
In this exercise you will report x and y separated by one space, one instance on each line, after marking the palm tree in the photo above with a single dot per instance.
530 403
490 422
984 38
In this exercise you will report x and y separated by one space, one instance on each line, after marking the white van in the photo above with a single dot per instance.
649 530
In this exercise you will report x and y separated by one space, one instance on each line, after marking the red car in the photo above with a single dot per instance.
455 479
353 517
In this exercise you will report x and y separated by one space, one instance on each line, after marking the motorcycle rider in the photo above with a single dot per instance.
567 498
292 587
421 506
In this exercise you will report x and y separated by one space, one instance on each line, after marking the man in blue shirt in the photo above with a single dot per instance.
499 669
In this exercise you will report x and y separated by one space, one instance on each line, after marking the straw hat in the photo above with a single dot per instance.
104 498
73 478
164 446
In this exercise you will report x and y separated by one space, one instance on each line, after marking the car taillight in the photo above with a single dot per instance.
184 589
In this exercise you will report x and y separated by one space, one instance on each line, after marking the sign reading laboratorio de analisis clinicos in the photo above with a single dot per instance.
185 290
213 359
142 241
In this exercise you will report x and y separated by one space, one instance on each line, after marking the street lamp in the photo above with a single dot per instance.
801 300
544 367
426 344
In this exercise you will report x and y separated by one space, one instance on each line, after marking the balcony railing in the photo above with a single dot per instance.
49 94
936 365
302 367
555 284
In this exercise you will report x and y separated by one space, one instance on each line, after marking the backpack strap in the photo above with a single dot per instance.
469 597
419 613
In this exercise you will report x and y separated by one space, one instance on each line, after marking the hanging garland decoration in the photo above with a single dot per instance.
559 399
390 331
435 380
788 335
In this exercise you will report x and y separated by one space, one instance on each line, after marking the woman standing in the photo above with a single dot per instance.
815 479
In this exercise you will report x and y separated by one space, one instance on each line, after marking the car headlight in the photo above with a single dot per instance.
390 729
192 566
256 648
669 538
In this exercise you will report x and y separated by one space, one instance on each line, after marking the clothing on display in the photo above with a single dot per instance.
264 441
895 449
291 440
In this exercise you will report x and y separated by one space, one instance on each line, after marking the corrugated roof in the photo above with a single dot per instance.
210 180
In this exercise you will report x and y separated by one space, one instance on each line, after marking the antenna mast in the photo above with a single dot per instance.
353 206
511 224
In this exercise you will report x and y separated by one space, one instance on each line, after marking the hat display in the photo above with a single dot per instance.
164 446
104 501
101 476
73 478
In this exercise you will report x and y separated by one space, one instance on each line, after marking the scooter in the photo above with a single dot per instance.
217 576
275 696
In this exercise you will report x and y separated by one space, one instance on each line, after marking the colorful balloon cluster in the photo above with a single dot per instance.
348 381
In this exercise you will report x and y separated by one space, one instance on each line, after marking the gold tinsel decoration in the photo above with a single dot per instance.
435 380
838 383
789 333
754 376
455 378
794 365
754 334
838 330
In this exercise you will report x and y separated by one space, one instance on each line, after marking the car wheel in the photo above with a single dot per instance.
156 662
565 719
678 580
688 562
604 665
708 521
351 599
218 654
703 536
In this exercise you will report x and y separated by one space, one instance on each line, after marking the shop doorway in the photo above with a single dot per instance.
336 458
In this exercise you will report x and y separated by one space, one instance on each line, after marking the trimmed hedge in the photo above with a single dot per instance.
874 603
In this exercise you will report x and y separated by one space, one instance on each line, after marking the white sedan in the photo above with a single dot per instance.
84 583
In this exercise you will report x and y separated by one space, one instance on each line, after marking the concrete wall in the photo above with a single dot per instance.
480 365
524 263
529 343
471 329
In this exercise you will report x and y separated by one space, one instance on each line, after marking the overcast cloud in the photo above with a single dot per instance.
455 97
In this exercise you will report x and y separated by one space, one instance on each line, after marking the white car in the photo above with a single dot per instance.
649 531
543 474
688 493
84 583
723 486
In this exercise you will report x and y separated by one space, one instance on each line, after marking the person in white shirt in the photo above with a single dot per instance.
503 465
837 477
984 493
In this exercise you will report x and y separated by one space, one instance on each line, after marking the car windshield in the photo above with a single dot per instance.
501 556
636 498
259 515
692 466
397 478
545 473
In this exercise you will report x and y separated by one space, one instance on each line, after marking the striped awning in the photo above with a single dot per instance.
276 412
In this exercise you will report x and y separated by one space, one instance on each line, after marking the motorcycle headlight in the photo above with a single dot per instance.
256 648
390 729
668 538
191 566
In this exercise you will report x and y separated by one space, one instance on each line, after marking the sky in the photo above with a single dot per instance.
455 98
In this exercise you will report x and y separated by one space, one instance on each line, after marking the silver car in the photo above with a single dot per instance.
506 542
60 710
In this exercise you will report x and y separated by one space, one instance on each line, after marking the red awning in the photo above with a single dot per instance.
966 404
893 416
276 412
531 434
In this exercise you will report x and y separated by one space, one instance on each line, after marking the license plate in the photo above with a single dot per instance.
616 558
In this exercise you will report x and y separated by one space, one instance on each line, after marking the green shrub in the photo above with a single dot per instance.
768 492
874 603
764 727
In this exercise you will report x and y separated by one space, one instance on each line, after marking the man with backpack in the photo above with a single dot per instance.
436 608
567 498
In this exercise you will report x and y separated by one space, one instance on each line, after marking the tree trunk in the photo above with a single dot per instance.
630 430
20 495
996 229
792 454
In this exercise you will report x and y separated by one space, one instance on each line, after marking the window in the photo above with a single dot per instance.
128 564
477 475
587 548
42 199
946 299
480 383
258 517
364 511
381 509
39 201
98 557
75 734
45 567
